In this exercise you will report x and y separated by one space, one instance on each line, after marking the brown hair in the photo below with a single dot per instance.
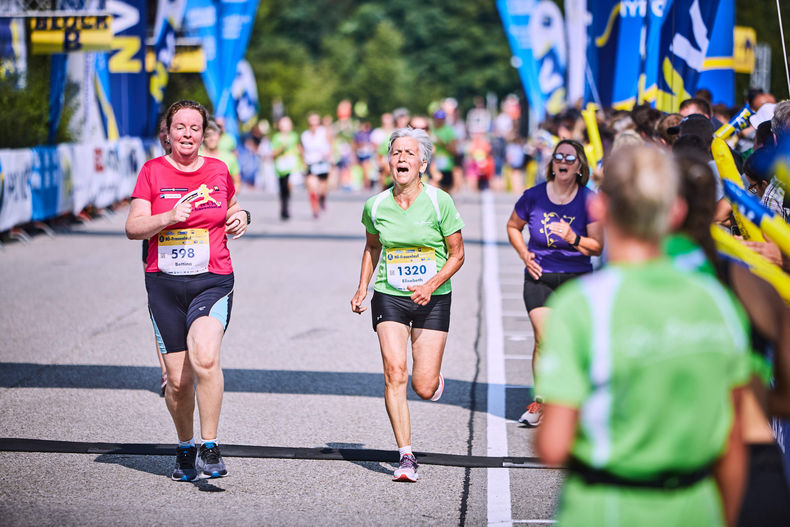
187 104
584 169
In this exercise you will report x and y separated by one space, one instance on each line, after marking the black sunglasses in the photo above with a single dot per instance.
568 158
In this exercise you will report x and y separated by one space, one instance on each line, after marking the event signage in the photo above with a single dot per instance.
536 35
65 34
126 65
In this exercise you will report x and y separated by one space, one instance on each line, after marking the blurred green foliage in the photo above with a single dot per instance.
310 54
27 109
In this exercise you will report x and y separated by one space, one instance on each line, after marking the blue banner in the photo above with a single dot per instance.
57 92
650 50
13 54
164 51
45 182
718 73
200 20
126 65
224 27
614 51
685 37
101 85
245 93
536 34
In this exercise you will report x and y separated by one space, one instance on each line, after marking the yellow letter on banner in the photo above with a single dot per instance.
123 60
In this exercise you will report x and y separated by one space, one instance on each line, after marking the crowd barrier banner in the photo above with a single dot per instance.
37 184
16 200
46 180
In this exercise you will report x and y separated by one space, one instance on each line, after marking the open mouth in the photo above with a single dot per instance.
403 170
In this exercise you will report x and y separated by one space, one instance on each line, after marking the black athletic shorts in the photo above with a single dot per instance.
175 302
402 309
536 292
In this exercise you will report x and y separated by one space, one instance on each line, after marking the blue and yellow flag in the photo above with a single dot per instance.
613 52
536 34
685 37
718 73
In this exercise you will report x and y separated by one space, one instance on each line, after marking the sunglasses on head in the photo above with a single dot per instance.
568 158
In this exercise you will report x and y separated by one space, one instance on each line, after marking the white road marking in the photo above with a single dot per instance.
498 504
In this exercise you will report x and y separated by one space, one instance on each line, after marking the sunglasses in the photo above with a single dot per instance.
753 188
568 158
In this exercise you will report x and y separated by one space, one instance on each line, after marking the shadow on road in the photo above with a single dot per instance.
360 384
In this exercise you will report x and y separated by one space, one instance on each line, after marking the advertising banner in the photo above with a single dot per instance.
718 73
16 201
126 66
685 37
66 34
13 55
46 179
536 34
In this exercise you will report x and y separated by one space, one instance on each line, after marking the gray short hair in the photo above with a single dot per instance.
780 122
422 137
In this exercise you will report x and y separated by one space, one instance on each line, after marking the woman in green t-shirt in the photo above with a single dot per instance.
418 229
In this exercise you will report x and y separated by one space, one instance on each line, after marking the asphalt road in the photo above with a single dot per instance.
301 371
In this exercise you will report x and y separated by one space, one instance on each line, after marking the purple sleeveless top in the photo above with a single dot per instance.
552 253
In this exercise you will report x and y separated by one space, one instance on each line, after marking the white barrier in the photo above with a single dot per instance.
40 183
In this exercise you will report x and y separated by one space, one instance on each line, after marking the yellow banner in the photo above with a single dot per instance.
64 34
744 42
188 59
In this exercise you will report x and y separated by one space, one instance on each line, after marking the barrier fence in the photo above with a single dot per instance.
44 182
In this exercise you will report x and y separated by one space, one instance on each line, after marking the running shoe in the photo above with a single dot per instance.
534 413
209 462
407 471
438 393
185 464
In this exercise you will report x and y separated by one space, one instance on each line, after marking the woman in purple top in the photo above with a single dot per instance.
562 237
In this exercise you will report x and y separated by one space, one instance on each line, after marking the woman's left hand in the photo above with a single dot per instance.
421 294
563 230
236 225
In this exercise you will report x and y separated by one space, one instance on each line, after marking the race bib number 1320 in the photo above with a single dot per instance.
410 266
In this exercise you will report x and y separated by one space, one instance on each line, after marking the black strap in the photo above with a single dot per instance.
665 480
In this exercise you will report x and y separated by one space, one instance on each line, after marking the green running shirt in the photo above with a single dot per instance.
430 218
649 355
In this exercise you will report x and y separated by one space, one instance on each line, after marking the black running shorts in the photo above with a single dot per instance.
402 309
175 302
536 292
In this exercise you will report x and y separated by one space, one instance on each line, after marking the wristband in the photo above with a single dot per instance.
576 241
249 218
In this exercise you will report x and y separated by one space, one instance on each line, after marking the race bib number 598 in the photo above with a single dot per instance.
410 266
183 251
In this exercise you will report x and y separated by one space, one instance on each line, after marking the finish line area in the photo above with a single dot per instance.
47 446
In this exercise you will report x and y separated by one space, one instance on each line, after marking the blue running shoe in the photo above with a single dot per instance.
209 462
185 464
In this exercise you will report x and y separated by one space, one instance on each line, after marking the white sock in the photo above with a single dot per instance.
405 450
204 441
186 444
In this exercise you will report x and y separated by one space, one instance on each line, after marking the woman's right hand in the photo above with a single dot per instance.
533 268
180 212
356 302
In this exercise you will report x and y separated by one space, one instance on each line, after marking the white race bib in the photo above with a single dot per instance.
410 266
183 251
